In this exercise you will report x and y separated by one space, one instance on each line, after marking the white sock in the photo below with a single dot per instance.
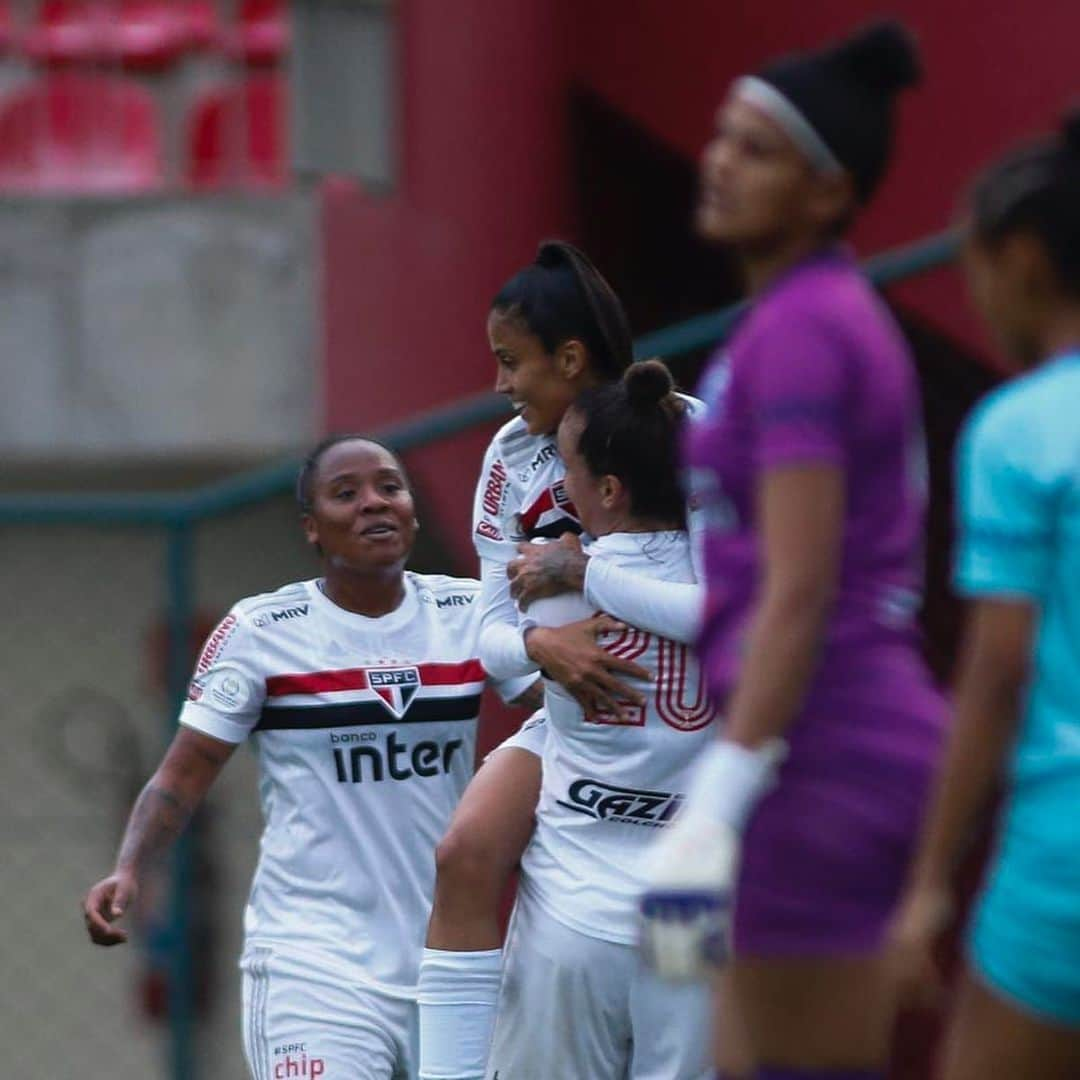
458 993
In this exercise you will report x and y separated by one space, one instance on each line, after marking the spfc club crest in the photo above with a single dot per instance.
396 687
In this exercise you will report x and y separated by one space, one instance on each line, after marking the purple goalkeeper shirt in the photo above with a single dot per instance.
817 373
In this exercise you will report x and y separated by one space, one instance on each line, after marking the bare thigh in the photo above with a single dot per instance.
824 1013
989 1037
481 849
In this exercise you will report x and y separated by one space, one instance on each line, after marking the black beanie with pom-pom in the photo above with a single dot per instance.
836 104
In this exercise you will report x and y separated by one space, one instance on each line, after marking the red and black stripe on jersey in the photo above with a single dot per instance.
551 499
457 694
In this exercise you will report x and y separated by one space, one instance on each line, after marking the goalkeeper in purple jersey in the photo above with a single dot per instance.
810 464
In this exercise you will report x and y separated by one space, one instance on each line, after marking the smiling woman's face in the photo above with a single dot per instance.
534 380
362 515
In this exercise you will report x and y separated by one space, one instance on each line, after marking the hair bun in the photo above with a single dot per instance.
882 56
647 383
1070 131
557 254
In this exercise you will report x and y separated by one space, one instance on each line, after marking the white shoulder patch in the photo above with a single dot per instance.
444 591
287 603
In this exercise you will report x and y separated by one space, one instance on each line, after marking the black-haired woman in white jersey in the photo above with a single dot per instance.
556 329
611 780
361 689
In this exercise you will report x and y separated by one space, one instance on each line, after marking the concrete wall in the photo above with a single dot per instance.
84 722
171 330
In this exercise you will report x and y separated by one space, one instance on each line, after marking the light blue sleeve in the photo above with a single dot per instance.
1005 505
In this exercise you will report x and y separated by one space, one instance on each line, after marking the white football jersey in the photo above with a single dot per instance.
521 494
610 781
366 735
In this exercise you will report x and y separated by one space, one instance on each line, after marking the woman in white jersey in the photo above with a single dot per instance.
361 689
610 779
556 328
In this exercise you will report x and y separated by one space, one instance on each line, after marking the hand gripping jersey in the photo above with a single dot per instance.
366 732
609 782
522 496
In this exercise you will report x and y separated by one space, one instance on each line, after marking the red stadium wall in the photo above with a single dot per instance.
484 168
407 278
995 73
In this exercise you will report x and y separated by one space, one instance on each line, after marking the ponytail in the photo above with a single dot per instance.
561 297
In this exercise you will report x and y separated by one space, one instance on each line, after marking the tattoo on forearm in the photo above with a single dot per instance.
561 570
157 819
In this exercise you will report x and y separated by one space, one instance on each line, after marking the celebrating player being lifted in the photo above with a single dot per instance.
363 706
575 1000
556 328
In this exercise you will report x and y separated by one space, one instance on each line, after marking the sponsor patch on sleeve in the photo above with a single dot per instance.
485 528
216 642
225 689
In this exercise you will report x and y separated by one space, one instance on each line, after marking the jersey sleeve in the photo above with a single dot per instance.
493 509
670 609
1005 509
502 648
227 691
531 736
511 689
797 377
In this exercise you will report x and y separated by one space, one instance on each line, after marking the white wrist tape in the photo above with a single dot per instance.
731 779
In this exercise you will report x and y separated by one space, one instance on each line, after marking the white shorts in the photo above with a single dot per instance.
301 1023
574 1007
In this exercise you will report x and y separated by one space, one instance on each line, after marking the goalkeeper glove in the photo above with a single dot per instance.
687 904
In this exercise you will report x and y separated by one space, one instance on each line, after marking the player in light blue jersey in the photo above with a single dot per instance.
1018 700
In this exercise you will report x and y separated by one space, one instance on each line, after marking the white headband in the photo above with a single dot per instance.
769 100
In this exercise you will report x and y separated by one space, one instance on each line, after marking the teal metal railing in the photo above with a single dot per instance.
177 514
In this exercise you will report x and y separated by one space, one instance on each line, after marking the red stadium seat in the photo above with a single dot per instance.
80 133
237 136
150 34
262 33
66 31
147 34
